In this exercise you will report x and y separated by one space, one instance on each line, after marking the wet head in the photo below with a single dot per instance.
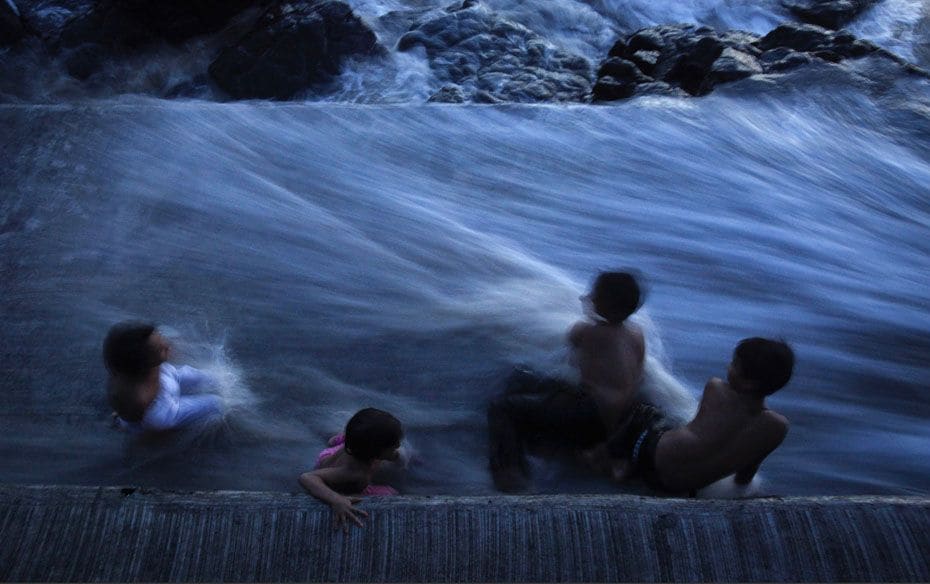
373 434
614 296
760 366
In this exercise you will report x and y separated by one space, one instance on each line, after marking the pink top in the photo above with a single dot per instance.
371 490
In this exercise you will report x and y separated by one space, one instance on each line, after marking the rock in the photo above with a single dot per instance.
471 47
11 25
782 59
650 39
646 60
659 88
833 14
622 70
800 37
292 47
818 41
696 58
130 24
733 65
448 94
85 60
610 89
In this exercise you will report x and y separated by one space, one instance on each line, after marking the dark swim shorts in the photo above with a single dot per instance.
637 440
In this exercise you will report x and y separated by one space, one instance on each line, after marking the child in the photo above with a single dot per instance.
732 433
347 467
609 353
608 350
144 390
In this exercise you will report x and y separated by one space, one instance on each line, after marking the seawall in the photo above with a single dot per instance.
67 534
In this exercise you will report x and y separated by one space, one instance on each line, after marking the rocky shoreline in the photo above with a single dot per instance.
289 49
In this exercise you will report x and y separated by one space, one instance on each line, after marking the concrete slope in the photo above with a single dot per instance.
109 534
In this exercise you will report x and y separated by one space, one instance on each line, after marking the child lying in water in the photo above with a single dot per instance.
345 469
732 433
144 390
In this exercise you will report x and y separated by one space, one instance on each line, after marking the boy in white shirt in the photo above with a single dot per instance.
144 390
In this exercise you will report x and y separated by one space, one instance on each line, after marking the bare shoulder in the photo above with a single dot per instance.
578 332
775 424
715 386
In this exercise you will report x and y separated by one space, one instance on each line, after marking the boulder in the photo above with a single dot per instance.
130 24
696 59
292 47
832 14
817 41
11 26
733 65
493 59
448 94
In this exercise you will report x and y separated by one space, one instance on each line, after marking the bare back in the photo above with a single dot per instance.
610 360
731 433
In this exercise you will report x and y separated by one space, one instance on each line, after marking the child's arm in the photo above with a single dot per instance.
191 378
744 476
317 483
775 427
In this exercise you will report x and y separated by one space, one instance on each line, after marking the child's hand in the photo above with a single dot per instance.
344 511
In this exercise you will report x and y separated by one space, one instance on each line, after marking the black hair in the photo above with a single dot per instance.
370 432
616 295
127 351
765 362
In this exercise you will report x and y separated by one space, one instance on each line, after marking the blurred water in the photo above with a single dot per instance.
323 258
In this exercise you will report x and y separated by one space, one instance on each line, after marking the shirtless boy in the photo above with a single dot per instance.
607 349
608 352
732 433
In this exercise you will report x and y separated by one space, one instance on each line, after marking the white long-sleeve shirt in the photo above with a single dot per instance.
172 409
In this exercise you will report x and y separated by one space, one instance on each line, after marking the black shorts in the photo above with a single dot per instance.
637 440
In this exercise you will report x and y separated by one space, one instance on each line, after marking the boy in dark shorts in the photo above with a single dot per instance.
732 433
556 415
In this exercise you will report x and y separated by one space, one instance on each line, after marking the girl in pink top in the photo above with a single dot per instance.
347 466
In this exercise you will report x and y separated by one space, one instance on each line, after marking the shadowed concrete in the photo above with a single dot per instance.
111 534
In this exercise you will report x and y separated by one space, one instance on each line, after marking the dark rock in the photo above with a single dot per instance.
108 25
832 14
646 60
135 23
85 60
696 58
828 45
649 39
828 56
622 70
782 59
473 48
692 67
11 25
619 49
486 97
733 65
610 89
294 46
659 88
800 37
448 94
177 20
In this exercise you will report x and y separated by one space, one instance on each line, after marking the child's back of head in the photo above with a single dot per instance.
373 434
768 364
127 349
615 296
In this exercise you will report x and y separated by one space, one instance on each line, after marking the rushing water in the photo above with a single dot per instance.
319 258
